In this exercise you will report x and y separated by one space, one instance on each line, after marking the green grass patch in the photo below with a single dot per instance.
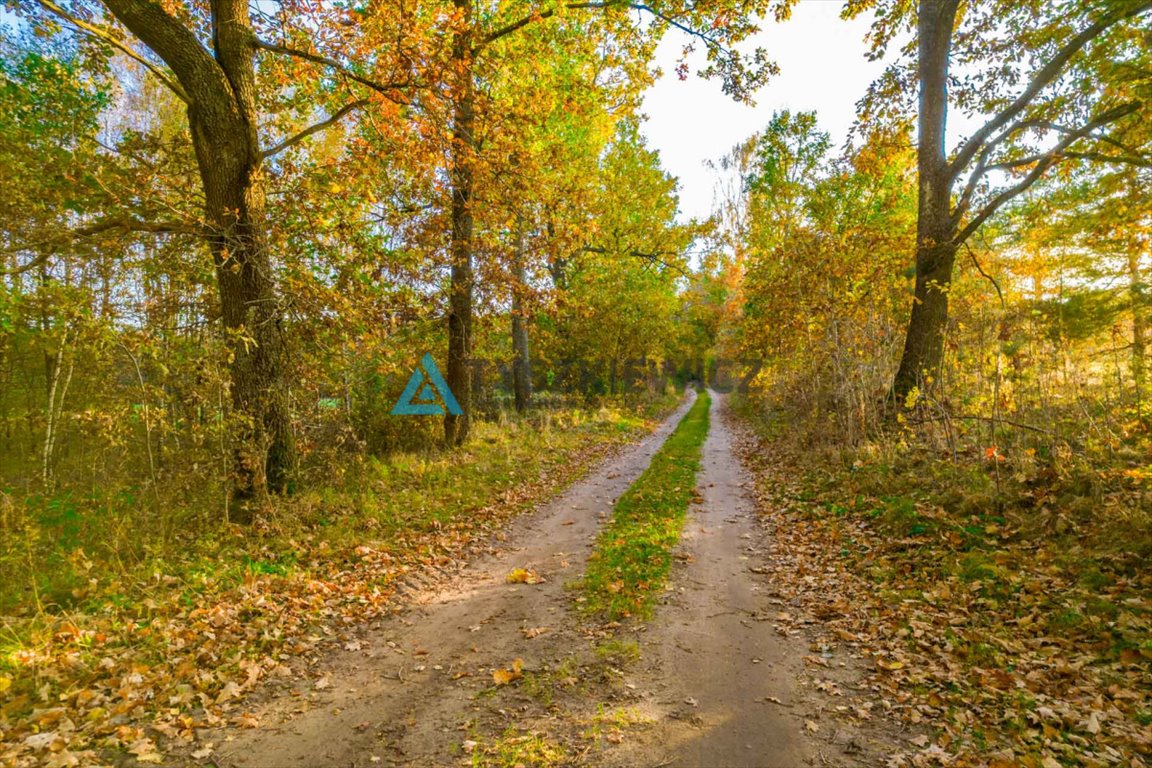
344 541
619 652
515 748
633 553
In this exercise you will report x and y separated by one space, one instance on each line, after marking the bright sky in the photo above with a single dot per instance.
822 68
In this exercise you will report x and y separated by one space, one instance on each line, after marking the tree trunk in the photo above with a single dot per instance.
222 116
521 363
457 375
1139 324
935 229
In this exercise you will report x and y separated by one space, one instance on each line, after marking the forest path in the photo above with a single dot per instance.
718 679
406 691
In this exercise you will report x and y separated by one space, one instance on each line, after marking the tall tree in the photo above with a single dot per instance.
209 63
1076 91
718 27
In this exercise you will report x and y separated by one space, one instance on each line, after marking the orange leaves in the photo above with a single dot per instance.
207 643
524 576
506 675
1013 653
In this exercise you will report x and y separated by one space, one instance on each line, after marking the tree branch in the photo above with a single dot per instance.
1045 76
986 276
1043 161
40 259
106 35
336 117
653 257
520 24
388 90
982 167
1103 157
525 21
48 246
196 69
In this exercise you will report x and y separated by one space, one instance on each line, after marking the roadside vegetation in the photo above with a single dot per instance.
629 566
1007 618
229 230
115 649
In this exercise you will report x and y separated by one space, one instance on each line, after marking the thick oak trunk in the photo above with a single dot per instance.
935 228
265 450
221 96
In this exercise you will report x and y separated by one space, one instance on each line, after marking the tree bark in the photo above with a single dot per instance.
935 229
222 116
1139 323
457 375
521 362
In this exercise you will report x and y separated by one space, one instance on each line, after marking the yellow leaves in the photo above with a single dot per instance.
5 683
145 751
509 674
524 576
891 666
230 691
912 398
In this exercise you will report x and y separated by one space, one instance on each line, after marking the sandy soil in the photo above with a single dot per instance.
718 682
720 677
401 693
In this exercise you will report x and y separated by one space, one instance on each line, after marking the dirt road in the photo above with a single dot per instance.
401 692
715 682
720 677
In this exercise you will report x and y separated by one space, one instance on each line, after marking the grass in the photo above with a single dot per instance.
74 552
986 575
633 553
517 749
237 595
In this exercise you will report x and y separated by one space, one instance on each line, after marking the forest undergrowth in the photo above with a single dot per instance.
140 653
1001 602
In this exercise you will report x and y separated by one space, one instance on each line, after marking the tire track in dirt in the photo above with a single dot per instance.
719 682
405 693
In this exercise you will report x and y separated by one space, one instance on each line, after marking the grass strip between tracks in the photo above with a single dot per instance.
633 553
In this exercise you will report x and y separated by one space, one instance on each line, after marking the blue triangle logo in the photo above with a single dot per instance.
419 397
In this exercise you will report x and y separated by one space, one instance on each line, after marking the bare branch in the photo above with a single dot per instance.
1044 77
48 246
654 257
336 117
982 167
1043 162
986 276
40 259
540 16
107 36
388 90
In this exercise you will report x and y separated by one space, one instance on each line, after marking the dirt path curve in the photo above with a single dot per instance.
720 680
404 692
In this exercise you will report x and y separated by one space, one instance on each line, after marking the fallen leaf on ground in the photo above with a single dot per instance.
508 674
524 576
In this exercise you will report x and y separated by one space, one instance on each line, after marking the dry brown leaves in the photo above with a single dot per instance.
138 681
990 676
